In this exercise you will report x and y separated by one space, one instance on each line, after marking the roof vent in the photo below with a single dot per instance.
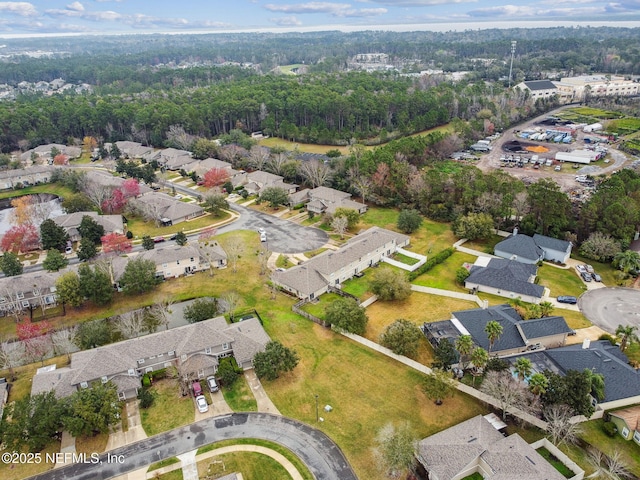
472 439
586 343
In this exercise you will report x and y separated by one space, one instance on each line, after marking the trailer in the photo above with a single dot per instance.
567 139
577 156
558 138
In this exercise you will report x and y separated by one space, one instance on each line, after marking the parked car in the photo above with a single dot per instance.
596 277
197 389
572 333
158 240
201 402
263 237
589 268
262 231
581 268
586 276
567 299
212 384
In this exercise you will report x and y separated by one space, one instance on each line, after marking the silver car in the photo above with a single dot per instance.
201 402
212 384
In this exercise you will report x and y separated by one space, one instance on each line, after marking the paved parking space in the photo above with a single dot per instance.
610 307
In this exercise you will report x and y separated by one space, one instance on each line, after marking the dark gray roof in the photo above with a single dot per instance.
620 379
507 275
540 85
551 243
543 327
522 246
476 320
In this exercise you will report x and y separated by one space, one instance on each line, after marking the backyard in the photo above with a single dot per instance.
170 408
443 276
239 396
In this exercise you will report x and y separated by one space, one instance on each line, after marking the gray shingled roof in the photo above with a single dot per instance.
507 275
170 207
551 243
521 245
543 327
540 85
475 321
171 253
621 380
249 339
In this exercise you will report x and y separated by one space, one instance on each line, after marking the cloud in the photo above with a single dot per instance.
519 11
290 21
24 9
77 6
334 9
416 3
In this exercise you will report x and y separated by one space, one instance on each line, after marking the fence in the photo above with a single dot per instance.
296 308
556 452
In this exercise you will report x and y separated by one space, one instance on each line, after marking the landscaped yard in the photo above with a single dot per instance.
443 276
560 281
239 396
318 307
140 227
594 435
169 410
358 287
252 465
405 259
484 245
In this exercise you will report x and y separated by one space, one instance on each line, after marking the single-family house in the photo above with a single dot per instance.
71 222
506 278
517 336
325 200
331 268
107 181
526 249
133 149
193 349
26 176
171 158
168 210
236 177
257 181
43 152
627 422
476 446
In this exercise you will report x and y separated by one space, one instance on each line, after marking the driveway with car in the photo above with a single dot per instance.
610 307
281 235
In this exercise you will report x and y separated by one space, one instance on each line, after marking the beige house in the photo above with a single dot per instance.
71 223
21 293
257 181
26 176
325 200
195 350
331 268
166 209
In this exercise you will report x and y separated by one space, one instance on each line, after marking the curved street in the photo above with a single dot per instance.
320 454
610 307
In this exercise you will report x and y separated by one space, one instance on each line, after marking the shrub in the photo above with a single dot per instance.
160 374
497 364
610 429
606 336
146 381
461 275
227 372
437 259
146 398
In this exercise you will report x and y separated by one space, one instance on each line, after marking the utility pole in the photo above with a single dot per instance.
513 51
317 412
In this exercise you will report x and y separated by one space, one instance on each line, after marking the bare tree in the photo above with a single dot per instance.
40 211
520 204
263 259
608 467
38 348
163 310
232 299
316 173
179 137
258 157
150 211
64 341
12 303
561 429
277 162
96 192
339 225
508 391
186 377
233 246
130 324
395 449
12 355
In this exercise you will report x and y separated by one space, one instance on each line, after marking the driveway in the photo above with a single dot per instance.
283 236
319 453
610 307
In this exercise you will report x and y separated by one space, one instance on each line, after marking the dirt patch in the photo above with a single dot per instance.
537 149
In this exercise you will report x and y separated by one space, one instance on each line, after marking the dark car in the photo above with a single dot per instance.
586 276
567 299
596 277
158 240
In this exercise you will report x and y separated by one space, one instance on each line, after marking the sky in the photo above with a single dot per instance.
41 17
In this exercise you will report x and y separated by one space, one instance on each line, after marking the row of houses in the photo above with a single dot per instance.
38 289
195 350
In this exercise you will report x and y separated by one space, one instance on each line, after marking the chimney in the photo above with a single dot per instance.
515 231
586 343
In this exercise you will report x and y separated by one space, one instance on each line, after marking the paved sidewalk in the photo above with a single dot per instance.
67 445
135 431
448 293
264 402
189 465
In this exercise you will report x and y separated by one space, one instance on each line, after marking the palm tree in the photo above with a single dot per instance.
627 261
546 308
627 334
523 368
518 305
538 384
464 345
479 358
493 330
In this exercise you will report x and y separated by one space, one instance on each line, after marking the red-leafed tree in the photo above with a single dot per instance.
37 343
116 243
115 202
131 188
21 238
61 159
215 177
207 234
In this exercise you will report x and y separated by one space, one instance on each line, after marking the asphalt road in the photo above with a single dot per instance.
610 307
283 236
319 453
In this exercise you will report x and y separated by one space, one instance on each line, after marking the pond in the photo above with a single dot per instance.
46 206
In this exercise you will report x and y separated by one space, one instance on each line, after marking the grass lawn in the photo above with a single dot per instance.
140 227
163 463
593 434
303 147
358 287
169 410
418 308
52 188
574 319
283 262
557 464
560 281
484 245
239 396
444 275
173 475
292 457
606 271
404 259
252 465
16 471
313 253
317 309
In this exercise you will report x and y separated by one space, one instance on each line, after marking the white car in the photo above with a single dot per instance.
263 237
201 402
262 231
